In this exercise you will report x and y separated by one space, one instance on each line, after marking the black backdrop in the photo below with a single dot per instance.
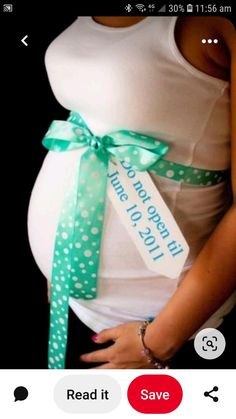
28 108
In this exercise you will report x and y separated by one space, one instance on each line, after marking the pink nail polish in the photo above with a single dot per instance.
94 338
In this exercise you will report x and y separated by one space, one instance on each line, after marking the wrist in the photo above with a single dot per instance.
162 347
152 359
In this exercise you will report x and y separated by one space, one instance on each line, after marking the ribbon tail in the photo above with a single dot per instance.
89 216
77 248
61 284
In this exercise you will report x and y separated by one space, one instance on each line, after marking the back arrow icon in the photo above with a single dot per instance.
23 40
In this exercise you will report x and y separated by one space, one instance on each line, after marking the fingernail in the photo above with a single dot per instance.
94 338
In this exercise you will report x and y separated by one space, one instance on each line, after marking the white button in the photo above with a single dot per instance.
87 394
209 343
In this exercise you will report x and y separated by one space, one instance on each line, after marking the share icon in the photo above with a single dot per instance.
208 394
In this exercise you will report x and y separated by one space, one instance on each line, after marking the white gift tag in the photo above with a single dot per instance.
147 219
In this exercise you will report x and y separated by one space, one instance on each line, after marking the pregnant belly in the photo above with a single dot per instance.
120 261
45 204
119 256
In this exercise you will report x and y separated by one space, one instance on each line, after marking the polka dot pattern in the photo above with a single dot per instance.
78 237
78 243
186 174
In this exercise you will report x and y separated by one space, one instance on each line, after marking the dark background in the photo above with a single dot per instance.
28 107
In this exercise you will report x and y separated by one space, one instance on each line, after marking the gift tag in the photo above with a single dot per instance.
147 219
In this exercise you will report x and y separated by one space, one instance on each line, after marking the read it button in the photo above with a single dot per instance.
155 393
87 394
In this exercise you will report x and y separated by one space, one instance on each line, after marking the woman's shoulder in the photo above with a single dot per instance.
213 27
208 42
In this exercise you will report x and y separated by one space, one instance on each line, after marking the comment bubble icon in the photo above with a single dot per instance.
20 393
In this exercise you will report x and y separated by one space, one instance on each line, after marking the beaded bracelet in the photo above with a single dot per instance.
157 363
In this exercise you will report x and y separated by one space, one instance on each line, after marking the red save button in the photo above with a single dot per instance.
155 393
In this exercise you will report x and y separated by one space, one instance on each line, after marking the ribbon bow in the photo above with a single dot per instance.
79 231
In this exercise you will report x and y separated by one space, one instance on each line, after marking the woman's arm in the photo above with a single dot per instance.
213 275
205 287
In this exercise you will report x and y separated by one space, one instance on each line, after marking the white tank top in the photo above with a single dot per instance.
134 78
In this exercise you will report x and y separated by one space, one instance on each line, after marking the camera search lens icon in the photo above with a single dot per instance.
209 343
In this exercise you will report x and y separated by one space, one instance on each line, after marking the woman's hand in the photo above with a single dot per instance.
126 352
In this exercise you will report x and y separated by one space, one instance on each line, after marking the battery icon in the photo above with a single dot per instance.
189 8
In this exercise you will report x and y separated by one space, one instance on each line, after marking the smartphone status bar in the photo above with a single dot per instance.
126 8
156 8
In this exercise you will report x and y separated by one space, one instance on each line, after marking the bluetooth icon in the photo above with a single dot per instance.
128 8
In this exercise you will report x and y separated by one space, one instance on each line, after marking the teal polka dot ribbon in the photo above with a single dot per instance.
79 232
